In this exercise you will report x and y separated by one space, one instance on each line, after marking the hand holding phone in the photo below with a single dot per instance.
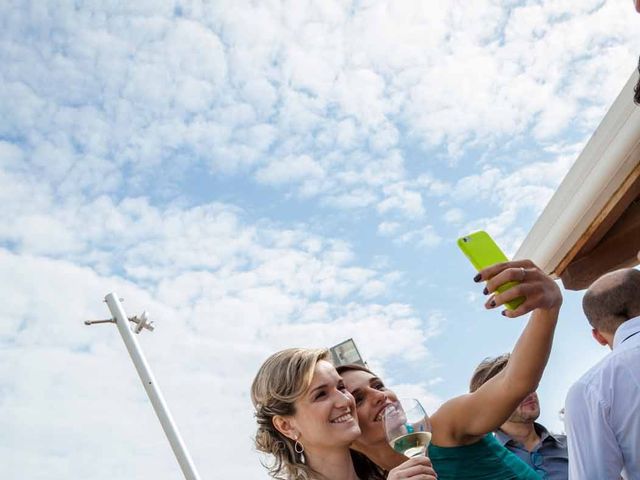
483 252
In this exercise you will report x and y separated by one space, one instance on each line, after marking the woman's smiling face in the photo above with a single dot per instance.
325 416
371 397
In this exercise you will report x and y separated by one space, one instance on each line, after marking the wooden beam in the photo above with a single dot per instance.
632 194
617 249
613 210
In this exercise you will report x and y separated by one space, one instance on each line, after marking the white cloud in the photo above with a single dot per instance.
291 169
224 294
373 289
10 155
360 95
242 87
477 186
524 190
453 215
357 198
210 318
131 134
554 119
388 228
399 198
425 237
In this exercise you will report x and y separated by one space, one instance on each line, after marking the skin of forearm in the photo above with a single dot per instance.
531 352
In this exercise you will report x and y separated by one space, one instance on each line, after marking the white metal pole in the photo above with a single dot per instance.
153 391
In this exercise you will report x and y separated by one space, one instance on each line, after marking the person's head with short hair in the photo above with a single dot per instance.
486 370
528 410
610 301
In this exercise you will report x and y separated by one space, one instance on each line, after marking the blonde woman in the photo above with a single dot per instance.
306 422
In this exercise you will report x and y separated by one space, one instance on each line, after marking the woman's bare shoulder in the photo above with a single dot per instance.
447 422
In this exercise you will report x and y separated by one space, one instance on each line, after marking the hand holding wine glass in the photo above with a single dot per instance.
416 468
407 427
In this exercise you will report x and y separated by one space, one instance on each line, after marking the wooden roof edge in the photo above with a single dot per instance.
609 157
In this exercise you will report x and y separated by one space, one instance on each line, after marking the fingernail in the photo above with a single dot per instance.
477 278
504 313
485 291
492 303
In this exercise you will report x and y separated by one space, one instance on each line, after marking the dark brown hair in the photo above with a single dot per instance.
365 468
353 366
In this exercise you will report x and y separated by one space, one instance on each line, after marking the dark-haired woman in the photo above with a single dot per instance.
462 446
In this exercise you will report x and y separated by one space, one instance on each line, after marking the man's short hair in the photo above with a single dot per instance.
488 368
613 299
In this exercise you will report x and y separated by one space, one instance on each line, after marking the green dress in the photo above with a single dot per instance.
484 460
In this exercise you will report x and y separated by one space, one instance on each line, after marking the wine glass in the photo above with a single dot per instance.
407 427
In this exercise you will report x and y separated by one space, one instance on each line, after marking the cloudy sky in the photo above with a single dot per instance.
260 175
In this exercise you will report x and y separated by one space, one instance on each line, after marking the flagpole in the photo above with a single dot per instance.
149 382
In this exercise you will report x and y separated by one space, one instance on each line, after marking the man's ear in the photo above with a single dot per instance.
286 426
598 337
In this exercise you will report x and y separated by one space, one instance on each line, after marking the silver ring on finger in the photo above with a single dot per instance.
524 273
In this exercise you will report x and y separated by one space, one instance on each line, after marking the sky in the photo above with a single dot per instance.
262 175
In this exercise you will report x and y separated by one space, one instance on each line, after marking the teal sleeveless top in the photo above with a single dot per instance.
484 460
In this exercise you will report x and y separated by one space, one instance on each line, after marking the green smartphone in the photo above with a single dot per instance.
483 252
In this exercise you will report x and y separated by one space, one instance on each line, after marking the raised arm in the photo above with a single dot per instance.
463 419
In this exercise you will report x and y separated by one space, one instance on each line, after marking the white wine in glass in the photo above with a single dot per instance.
407 427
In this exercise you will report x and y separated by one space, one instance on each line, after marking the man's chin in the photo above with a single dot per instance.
525 417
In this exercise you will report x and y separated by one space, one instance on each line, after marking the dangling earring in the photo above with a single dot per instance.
299 449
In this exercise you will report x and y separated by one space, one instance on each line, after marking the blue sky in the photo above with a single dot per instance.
260 175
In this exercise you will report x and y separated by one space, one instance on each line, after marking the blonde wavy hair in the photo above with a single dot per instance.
282 379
